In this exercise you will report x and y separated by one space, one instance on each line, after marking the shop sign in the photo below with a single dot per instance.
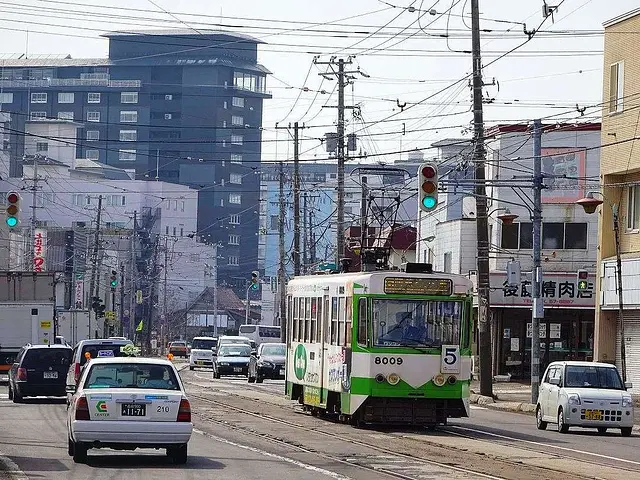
558 290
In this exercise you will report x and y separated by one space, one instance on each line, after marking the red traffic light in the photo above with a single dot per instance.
583 275
429 171
13 197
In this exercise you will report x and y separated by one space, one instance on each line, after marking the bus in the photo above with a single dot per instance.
260 333
380 347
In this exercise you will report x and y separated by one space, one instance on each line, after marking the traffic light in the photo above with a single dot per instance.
583 280
13 209
254 280
427 187
97 306
113 280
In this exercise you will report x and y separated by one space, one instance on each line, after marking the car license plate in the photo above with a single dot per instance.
237 369
200 362
282 371
134 410
50 375
592 415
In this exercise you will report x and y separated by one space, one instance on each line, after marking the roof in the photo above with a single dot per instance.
54 62
578 363
104 341
183 32
621 18
54 345
153 360
451 142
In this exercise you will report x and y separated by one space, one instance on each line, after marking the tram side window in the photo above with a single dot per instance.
289 319
326 322
334 320
348 323
307 319
300 319
294 319
363 320
464 326
314 319
341 312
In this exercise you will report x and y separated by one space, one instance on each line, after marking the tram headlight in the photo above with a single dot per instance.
452 380
380 378
393 378
439 380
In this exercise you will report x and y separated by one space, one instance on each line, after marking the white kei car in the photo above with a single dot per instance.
584 394
124 403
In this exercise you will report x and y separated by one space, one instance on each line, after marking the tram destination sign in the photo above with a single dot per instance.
418 286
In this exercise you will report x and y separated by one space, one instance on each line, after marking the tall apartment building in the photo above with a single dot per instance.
174 105
620 180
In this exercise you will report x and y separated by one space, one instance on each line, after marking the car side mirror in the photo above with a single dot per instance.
628 385
554 381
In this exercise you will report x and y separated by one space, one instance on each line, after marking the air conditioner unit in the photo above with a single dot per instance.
167 116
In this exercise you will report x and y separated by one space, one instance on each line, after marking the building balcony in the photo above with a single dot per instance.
71 82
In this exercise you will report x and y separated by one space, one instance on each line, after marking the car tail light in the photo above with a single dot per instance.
22 374
184 411
82 409
77 372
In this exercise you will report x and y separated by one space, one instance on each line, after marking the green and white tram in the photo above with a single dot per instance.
380 347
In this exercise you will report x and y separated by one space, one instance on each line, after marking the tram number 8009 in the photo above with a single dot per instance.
388 360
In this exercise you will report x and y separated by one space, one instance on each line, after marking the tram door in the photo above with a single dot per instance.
325 339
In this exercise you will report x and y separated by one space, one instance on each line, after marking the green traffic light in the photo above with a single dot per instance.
429 202
12 221
114 283
254 286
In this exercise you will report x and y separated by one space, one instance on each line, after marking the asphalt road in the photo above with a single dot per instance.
34 438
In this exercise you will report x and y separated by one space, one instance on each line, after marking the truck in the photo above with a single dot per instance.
73 326
27 307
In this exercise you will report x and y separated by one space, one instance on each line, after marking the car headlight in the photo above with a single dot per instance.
223 364
574 399
627 401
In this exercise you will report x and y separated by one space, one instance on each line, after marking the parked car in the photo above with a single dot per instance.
267 362
127 403
178 348
93 348
202 351
232 359
39 370
584 394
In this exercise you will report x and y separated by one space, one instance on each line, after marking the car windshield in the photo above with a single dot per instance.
47 357
131 375
429 323
101 351
203 344
275 350
588 376
178 344
234 351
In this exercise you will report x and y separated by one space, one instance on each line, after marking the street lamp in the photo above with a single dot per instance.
589 203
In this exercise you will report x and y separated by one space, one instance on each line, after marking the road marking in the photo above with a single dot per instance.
9 466
541 444
291 461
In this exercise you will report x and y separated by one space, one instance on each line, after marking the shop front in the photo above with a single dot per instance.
566 332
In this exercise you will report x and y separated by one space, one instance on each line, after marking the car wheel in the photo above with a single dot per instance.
626 431
562 427
602 429
541 424
10 392
178 454
80 453
17 398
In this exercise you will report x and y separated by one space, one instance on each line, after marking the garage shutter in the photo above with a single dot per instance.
632 346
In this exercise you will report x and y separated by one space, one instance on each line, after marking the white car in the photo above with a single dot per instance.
202 351
126 403
584 394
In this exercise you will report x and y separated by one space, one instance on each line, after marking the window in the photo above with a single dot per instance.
66 98
237 120
616 87
174 231
129 97
238 102
42 147
526 235
166 230
232 260
93 135
127 155
93 116
128 135
93 154
235 198
6 97
38 115
236 139
182 206
553 236
182 231
575 236
167 116
65 115
248 81
168 97
234 219
236 158
510 236
234 239
633 208
224 105
128 116
175 205
38 98
224 124
76 199
447 262
93 98
274 222
235 178
362 322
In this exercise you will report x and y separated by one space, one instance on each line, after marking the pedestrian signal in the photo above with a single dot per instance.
583 280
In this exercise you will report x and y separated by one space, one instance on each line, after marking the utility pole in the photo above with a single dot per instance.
296 203
312 239
537 312
482 224
132 278
34 206
121 313
363 224
154 277
94 262
164 294
281 267
306 232
215 289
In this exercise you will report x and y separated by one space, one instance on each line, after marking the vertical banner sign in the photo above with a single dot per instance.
79 294
39 250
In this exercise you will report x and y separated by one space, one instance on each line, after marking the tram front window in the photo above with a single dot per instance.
427 323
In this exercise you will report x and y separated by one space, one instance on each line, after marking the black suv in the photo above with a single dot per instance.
39 370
